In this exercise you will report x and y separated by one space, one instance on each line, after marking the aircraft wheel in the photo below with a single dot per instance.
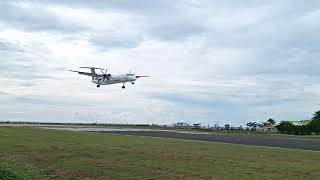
98 86
123 87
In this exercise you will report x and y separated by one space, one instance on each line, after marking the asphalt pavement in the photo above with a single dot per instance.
256 140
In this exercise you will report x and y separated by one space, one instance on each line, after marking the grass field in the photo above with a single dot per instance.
29 153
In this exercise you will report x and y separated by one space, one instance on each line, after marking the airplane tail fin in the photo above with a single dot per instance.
93 72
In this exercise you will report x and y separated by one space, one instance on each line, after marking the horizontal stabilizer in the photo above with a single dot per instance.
84 73
141 76
91 68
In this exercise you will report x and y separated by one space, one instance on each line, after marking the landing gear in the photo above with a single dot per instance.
132 82
123 87
98 85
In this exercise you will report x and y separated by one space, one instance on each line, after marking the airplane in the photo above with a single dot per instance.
107 79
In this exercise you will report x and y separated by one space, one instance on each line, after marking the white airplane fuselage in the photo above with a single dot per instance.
114 79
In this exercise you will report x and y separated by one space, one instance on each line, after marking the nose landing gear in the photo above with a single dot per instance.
123 87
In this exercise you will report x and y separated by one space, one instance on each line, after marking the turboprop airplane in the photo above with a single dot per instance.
107 79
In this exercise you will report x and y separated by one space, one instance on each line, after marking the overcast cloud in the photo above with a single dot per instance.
210 61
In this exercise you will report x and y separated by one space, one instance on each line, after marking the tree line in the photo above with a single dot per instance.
286 127
255 125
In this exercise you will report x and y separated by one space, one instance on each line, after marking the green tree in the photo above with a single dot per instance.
250 124
315 123
271 121
286 127
253 125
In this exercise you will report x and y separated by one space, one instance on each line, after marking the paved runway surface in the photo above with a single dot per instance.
292 143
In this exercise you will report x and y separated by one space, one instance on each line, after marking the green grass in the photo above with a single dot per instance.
10 169
28 153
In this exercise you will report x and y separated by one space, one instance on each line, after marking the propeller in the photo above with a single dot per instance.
105 75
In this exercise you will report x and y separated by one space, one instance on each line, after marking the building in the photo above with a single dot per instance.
181 125
197 126
269 127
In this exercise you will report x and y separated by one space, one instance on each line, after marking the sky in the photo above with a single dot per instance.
210 62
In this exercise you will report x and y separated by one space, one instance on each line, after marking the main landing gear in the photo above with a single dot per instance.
132 82
98 85
123 87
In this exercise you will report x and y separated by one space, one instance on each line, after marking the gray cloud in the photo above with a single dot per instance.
106 42
206 58
22 57
32 17
4 93
8 46
141 6
163 18
16 65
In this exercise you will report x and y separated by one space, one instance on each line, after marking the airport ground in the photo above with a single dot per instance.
33 153
123 127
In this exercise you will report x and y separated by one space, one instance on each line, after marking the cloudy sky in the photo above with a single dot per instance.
210 61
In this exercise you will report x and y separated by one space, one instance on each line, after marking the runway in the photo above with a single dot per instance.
258 140
255 140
